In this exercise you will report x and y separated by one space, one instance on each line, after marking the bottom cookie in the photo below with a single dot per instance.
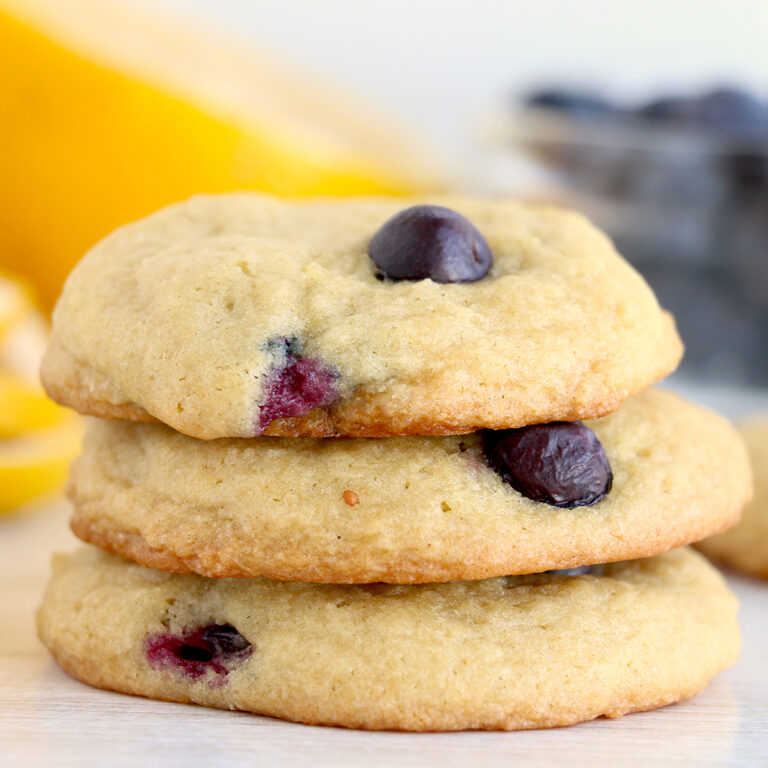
508 653
745 547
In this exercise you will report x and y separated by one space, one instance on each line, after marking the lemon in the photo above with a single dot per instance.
36 463
22 344
38 439
110 112
15 303
24 407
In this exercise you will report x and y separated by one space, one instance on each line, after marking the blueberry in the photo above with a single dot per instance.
572 102
214 647
668 108
429 241
223 640
561 463
748 168
296 384
579 571
730 108
725 109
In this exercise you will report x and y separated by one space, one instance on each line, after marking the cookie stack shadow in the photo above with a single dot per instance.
387 465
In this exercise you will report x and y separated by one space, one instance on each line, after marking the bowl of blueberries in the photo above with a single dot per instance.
680 182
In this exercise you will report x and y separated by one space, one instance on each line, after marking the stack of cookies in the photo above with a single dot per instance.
341 477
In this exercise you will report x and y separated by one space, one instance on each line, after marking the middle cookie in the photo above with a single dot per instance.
412 509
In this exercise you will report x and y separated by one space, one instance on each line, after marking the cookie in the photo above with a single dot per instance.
508 653
240 315
401 510
745 547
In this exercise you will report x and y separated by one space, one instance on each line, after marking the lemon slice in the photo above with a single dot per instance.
36 463
22 347
23 404
112 110
38 439
25 407
15 303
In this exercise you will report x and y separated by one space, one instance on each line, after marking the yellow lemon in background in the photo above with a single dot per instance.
23 338
36 463
15 303
24 407
110 112
38 439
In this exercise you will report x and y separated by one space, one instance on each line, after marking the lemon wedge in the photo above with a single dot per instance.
25 407
38 439
15 303
22 345
36 463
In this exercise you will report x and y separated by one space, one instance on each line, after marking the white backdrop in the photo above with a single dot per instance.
446 63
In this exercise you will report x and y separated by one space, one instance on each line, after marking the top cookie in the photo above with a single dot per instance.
239 315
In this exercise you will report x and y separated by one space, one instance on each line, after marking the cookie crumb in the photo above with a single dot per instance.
350 498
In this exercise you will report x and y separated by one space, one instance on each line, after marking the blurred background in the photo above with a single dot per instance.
650 117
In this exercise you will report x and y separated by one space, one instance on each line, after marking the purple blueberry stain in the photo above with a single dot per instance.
215 647
295 385
561 463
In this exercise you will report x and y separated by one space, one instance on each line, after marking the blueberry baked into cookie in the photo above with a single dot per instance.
385 464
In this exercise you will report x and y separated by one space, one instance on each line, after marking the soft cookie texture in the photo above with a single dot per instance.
745 547
400 510
508 653
233 316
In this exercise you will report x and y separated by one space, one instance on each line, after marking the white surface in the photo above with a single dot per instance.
446 64
48 719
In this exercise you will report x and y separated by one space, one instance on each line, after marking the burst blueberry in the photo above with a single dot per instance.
430 242
214 647
296 385
561 463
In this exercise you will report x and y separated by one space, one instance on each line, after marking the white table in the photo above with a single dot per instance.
48 719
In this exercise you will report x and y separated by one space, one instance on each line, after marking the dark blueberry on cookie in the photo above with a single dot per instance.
223 640
561 463
430 242
215 647
295 386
